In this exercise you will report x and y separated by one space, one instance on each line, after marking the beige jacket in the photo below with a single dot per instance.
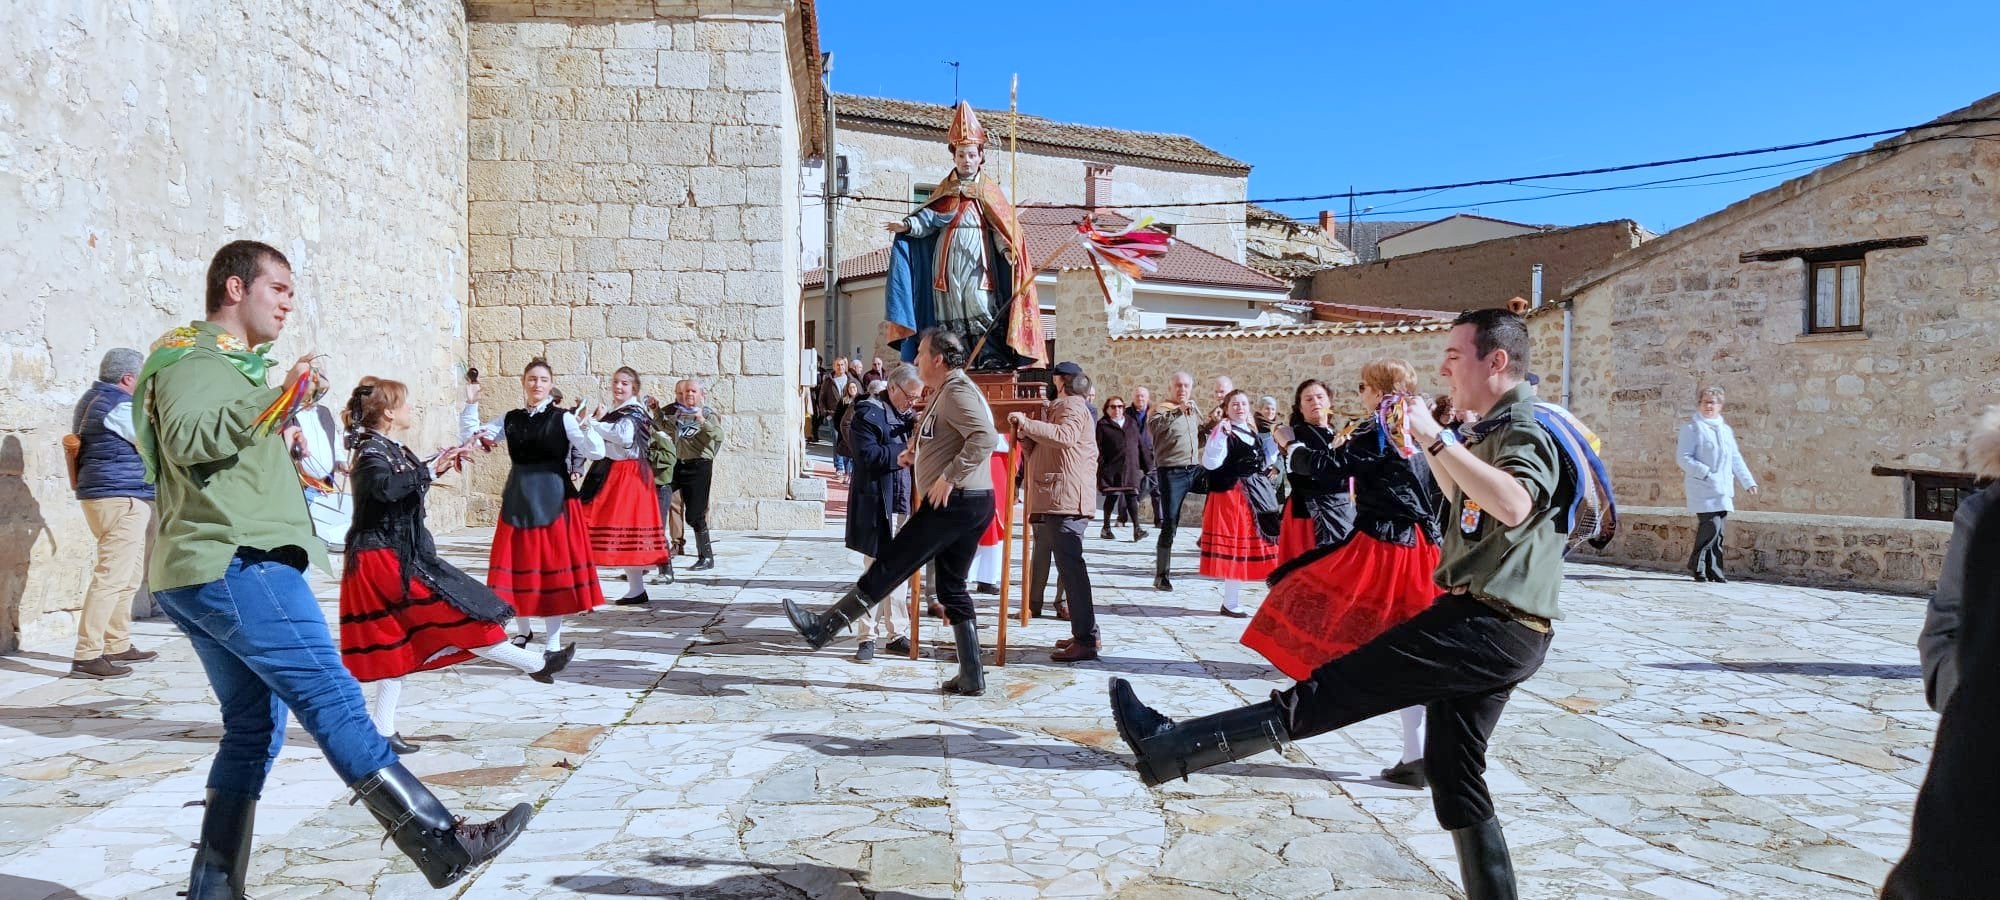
1177 431
955 437
1062 460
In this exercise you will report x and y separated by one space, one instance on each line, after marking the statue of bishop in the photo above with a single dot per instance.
961 262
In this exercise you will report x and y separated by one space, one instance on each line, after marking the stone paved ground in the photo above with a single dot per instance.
1683 741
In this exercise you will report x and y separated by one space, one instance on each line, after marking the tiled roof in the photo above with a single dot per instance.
1052 244
1271 331
910 115
1361 237
1351 312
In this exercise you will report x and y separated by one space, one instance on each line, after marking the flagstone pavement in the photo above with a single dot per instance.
1683 741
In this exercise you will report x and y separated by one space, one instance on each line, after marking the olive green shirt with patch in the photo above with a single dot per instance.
221 487
1522 565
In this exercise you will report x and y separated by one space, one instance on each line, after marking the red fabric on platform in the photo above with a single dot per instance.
546 571
624 518
1231 545
1002 490
1326 608
389 629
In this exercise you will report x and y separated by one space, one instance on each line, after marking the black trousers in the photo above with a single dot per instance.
949 535
1707 559
1460 660
1061 538
1126 506
691 479
1174 484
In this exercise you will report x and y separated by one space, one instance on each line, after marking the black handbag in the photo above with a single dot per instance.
1263 499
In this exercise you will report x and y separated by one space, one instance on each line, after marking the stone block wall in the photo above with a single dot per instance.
632 203
1896 555
152 133
1813 413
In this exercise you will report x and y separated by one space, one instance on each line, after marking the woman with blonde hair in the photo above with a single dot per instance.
1343 593
403 608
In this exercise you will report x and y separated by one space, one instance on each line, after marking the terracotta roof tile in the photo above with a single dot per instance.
910 115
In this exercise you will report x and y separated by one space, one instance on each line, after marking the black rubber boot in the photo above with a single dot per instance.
971 679
820 630
1161 556
1166 749
444 848
222 859
1483 861
704 553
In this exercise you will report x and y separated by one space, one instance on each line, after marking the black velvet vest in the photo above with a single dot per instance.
538 486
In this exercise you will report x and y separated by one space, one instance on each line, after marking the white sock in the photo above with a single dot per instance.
635 580
1413 733
552 633
1230 591
507 654
388 692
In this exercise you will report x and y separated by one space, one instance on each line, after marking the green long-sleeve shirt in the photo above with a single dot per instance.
220 487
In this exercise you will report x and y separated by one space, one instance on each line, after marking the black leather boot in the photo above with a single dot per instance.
444 848
1483 862
704 553
1166 749
971 679
1161 556
820 630
222 859
553 663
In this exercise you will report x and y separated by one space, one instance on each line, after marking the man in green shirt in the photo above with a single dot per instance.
228 567
1499 571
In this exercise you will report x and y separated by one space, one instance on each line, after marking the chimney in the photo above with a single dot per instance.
1326 222
1096 186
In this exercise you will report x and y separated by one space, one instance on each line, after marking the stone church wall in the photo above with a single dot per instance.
138 137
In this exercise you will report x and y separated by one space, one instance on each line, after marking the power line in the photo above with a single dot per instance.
1576 173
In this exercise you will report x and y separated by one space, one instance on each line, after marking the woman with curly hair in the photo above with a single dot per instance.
403 608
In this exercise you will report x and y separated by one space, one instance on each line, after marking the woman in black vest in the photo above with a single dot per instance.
1343 593
1320 510
404 609
541 562
619 500
1234 546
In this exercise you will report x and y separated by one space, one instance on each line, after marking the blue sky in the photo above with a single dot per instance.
1318 96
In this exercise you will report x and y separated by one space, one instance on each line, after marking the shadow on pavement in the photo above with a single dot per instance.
759 881
1812 669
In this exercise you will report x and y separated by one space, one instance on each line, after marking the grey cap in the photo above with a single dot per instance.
119 362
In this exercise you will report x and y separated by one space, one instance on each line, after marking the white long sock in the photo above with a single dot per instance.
1413 733
507 654
552 632
635 580
388 693
1231 590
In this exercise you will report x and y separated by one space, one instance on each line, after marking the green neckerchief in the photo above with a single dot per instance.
171 348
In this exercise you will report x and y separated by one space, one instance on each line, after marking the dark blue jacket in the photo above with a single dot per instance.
878 435
108 465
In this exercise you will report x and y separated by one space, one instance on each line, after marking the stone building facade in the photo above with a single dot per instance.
147 139
1290 250
1724 300
630 205
623 161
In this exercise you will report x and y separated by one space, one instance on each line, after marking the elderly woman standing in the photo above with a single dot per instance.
1118 467
1713 465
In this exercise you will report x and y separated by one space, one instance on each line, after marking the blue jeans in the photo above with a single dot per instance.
1175 482
264 642
841 465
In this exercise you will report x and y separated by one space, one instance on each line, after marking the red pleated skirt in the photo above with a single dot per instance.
390 628
1295 536
546 571
1231 546
1328 607
996 530
624 518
